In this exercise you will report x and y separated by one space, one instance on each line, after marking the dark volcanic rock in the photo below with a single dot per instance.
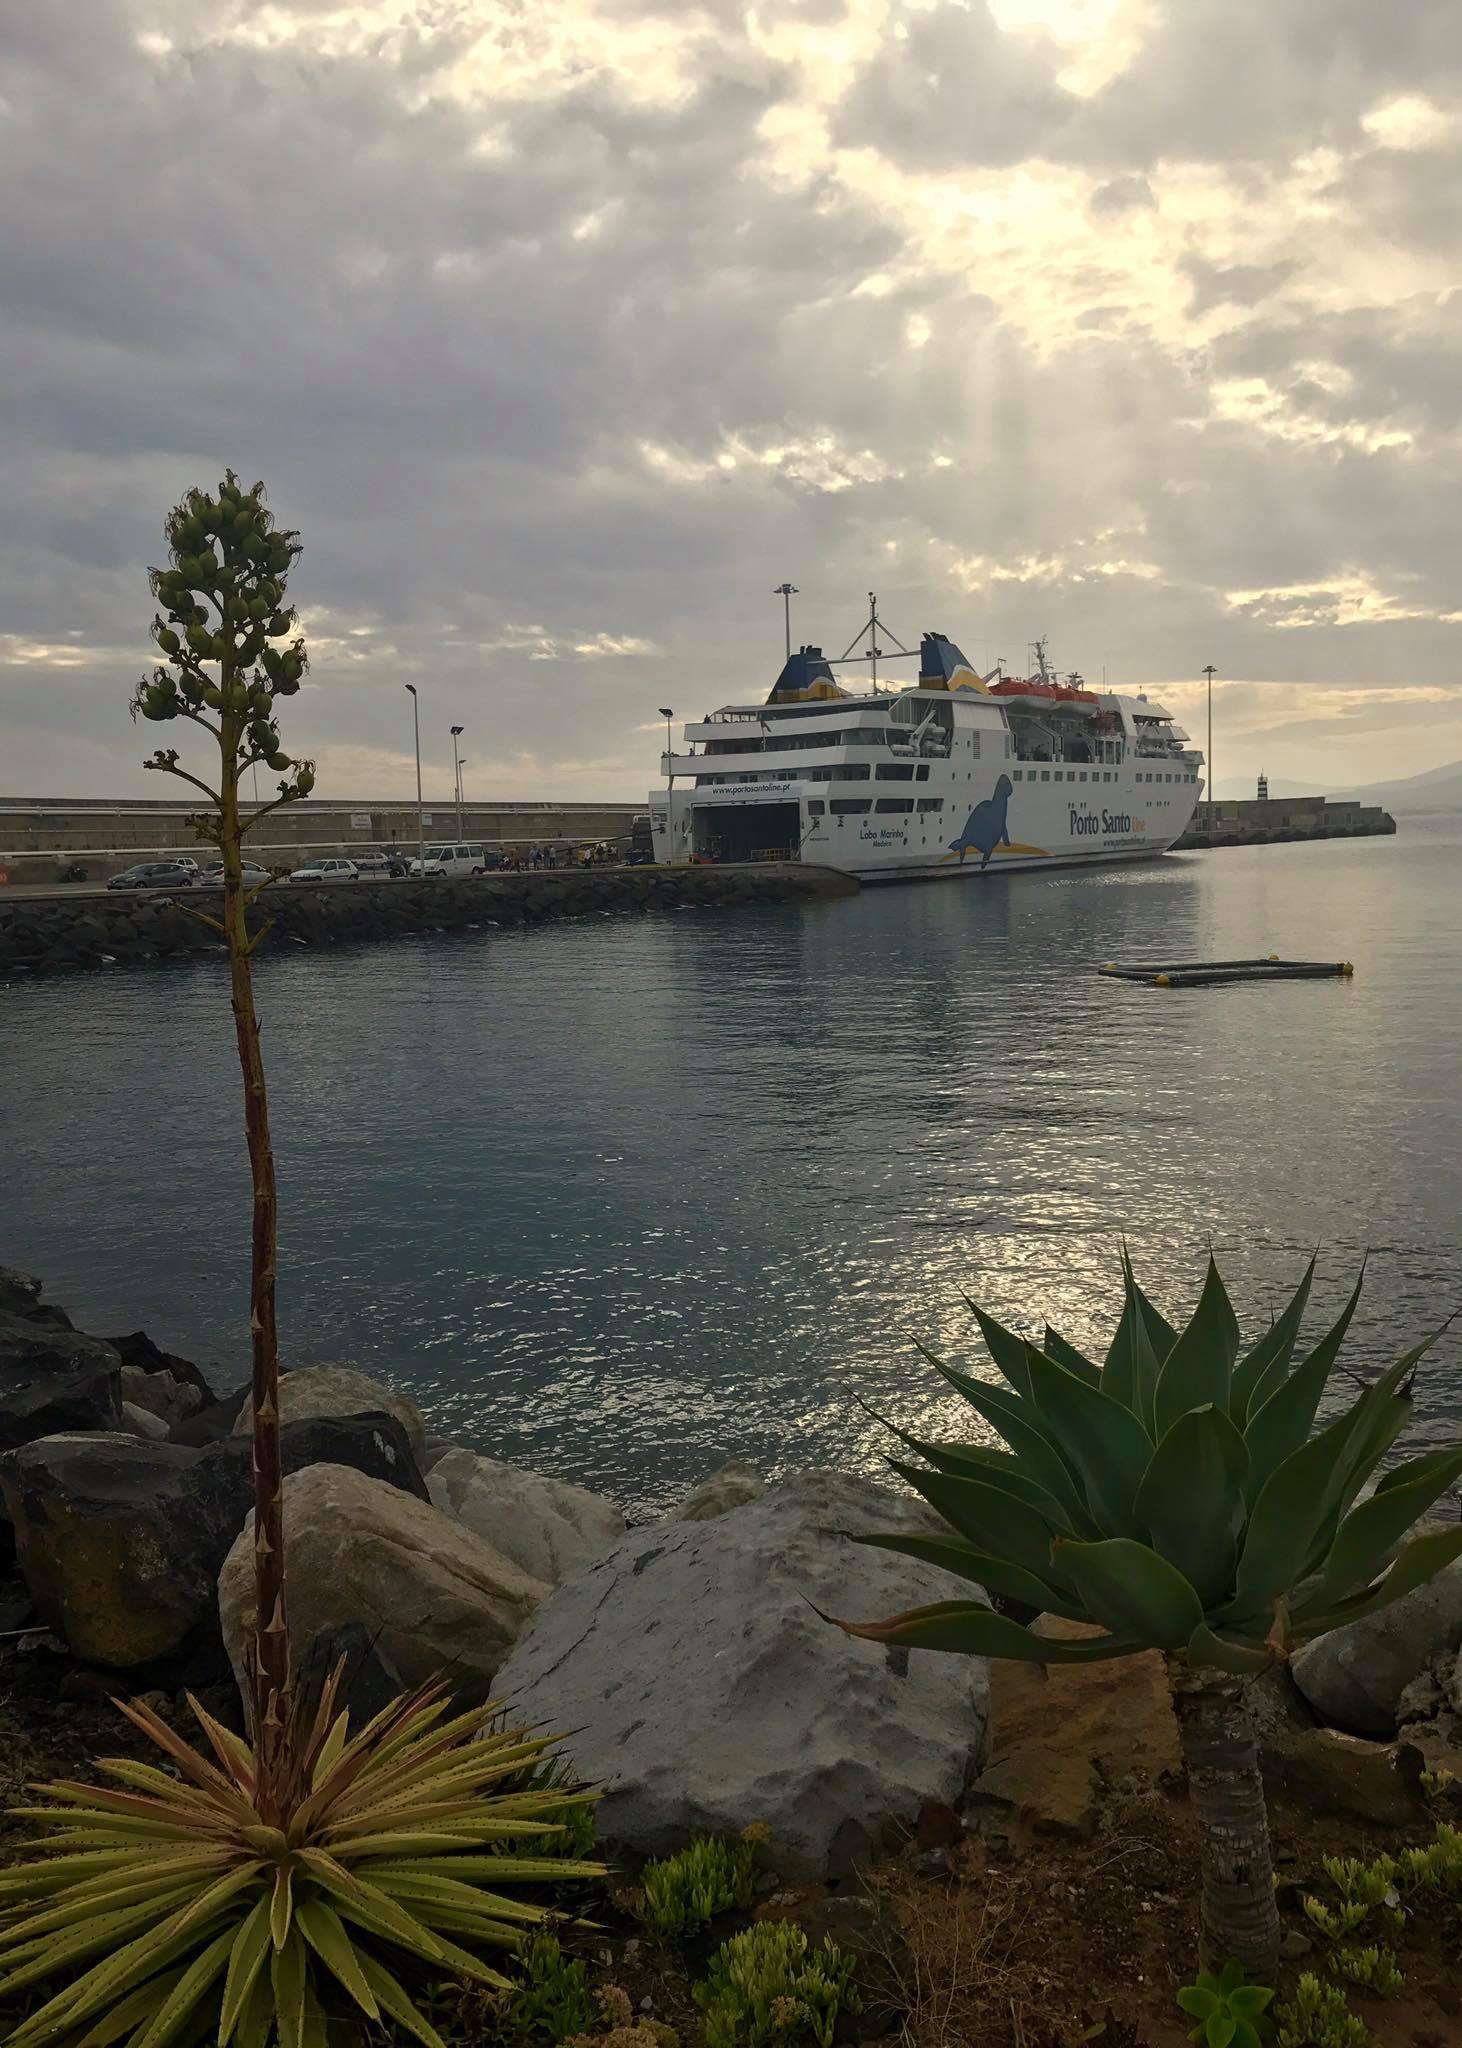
120 1541
53 1380
139 1350
20 1293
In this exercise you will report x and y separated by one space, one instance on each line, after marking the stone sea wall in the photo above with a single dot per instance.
41 935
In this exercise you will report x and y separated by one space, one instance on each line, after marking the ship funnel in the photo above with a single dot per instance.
943 667
805 674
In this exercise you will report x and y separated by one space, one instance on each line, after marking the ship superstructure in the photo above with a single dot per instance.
957 774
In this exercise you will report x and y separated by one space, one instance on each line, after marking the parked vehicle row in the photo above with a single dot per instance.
379 864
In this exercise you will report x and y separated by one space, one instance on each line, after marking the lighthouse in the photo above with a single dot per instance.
1263 787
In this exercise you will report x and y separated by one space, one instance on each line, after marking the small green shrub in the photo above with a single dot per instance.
1229 2012
1362 1889
1318 2017
1436 1868
765 1986
684 1893
552 1998
1374 1969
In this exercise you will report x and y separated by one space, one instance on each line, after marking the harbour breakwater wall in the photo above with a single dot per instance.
61 934
1270 821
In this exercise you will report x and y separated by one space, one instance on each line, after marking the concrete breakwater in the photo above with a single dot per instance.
66 934
1268 821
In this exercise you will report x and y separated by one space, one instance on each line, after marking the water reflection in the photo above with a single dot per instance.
625 1199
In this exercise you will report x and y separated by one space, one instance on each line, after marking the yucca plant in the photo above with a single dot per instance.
1175 1498
174 1909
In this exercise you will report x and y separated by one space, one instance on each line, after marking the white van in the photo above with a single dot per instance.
451 860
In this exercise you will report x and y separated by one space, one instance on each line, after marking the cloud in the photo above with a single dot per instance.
566 333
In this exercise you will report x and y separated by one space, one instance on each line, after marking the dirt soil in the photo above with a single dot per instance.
974 1935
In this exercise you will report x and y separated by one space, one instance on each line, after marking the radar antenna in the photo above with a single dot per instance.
875 652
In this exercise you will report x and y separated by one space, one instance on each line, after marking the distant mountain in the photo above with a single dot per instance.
1435 789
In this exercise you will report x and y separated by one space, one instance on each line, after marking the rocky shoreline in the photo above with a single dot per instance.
688 1654
66 934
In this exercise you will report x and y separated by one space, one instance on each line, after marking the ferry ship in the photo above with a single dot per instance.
956 776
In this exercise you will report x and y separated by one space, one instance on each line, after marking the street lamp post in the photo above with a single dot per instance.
667 714
1210 672
457 732
420 820
786 592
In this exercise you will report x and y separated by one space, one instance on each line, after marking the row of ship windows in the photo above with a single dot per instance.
1096 775
859 806
850 771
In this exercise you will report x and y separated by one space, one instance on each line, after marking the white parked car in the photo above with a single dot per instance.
325 871
452 860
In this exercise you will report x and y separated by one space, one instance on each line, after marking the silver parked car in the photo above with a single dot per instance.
325 871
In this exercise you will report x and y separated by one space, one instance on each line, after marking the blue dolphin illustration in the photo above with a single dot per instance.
987 826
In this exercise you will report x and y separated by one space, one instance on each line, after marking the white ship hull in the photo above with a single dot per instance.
946 780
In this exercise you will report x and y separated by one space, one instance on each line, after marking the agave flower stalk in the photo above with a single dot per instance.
224 599
1180 1497
185 1903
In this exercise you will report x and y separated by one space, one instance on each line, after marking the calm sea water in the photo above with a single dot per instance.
626 1198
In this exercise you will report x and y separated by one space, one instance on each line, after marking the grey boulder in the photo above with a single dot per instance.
1354 1676
171 1401
120 1540
546 1526
732 1487
706 1692
362 1557
341 1390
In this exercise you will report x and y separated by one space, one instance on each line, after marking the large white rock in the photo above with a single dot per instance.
1355 1676
732 1487
435 1597
706 1693
341 1390
142 1422
546 1526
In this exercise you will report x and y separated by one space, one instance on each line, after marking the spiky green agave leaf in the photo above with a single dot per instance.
1176 1497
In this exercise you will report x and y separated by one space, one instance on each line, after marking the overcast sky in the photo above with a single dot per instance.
566 329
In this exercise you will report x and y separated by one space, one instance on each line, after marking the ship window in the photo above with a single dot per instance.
815 807
851 806
931 803
856 771
1019 774
894 803
921 774
1045 775
1082 776
894 773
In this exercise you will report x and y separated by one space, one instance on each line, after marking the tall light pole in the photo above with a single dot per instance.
667 714
457 732
786 592
420 820
1210 672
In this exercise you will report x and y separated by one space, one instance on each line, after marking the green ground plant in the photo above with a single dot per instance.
1228 2009
174 1905
1318 2016
767 1987
1377 1896
1178 1496
685 1892
552 1999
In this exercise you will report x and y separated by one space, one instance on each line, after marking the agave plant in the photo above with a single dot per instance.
1175 1498
173 1908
